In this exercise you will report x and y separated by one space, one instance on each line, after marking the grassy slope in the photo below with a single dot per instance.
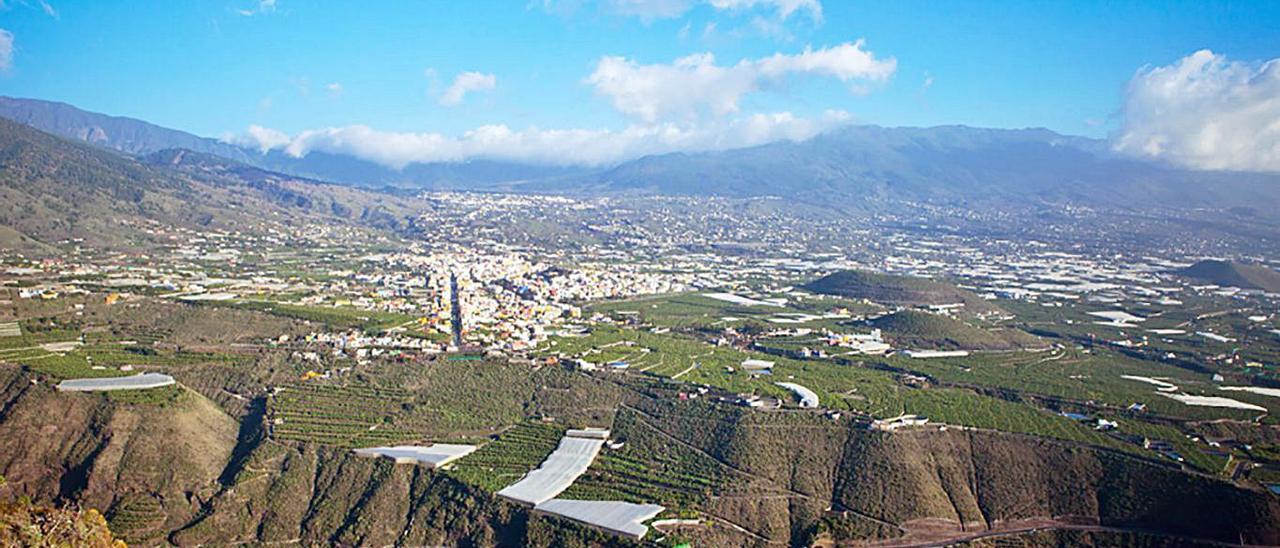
917 329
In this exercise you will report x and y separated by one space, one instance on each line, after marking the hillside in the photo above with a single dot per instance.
55 189
895 290
177 473
917 329
1233 274
158 461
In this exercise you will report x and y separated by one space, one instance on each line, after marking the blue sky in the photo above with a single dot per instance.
216 68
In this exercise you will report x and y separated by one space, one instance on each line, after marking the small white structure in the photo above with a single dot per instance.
745 301
432 456
620 518
1214 401
570 460
937 353
1161 385
1215 337
808 398
891 424
141 381
199 297
589 433
756 365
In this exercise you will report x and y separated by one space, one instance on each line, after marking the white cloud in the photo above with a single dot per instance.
6 49
465 83
262 138
784 8
48 9
693 84
335 89
549 146
262 6
1205 112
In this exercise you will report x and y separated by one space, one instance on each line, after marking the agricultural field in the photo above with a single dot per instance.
698 311
1081 375
1071 375
334 316
505 460
650 468
1254 349
344 416
419 401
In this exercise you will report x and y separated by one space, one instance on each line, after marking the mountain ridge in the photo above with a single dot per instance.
869 168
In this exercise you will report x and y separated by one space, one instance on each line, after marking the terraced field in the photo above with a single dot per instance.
505 460
649 469
345 416
138 519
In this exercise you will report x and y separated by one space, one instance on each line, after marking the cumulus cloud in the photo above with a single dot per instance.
694 84
264 139
6 49
784 8
542 146
261 7
1205 112
465 83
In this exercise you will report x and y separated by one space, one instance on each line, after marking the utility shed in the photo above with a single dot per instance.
431 456
141 381
557 473
616 517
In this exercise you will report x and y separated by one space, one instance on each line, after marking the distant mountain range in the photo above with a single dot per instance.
858 167
946 165
137 137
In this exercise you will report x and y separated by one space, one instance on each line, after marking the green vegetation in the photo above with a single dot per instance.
650 468
138 519
505 460
346 416
1076 375
695 311
408 402
156 397
336 316
915 329
896 290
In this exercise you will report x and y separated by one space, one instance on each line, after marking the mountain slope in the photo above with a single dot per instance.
866 165
1242 275
137 137
54 189
127 135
